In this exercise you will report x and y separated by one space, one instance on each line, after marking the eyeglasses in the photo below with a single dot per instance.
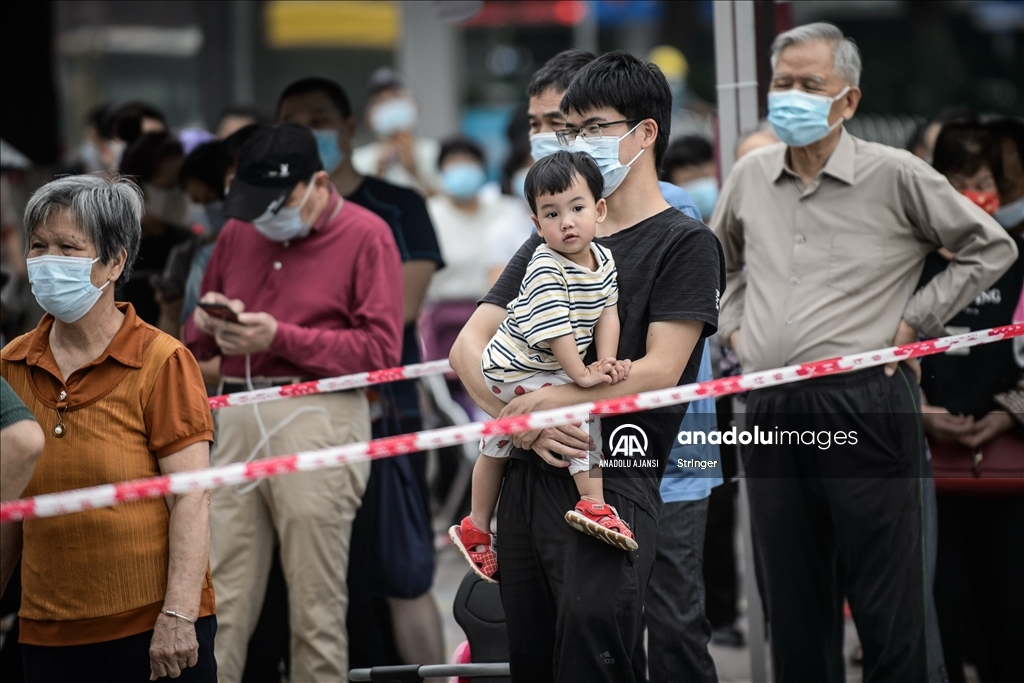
591 131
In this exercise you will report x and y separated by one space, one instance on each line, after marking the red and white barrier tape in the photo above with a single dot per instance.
323 386
215 477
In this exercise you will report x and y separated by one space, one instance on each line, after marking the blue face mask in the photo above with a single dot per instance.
463 181
331 155
517 184
215 217
704 193
392 116
543 145
800 118
1010 215
286 224
605 151
63 285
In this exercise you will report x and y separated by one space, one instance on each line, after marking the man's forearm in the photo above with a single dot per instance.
644 375
469 349
189 530
670 346
465 360
977 266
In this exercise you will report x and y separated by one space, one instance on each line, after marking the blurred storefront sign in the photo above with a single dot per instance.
304 24
530 13
566 12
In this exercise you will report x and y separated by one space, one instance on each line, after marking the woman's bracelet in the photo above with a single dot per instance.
180 616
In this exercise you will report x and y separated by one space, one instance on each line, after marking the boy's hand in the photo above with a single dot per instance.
618 370
593 375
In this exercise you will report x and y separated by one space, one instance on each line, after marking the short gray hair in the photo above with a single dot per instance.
108 209
845 55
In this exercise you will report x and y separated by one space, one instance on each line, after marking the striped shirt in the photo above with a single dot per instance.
557 298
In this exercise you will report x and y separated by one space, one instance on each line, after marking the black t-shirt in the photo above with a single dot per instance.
405 212
670 267
965 382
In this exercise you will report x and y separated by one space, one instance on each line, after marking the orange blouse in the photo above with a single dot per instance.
100 575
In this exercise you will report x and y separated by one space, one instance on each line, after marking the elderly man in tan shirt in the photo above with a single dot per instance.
825 238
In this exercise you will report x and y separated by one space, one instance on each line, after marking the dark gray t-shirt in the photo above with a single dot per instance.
670 267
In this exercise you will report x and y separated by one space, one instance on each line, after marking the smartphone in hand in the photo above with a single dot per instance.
219 311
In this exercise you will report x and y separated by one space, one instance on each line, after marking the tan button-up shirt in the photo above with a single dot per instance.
830 269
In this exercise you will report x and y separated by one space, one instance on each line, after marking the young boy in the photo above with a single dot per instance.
568 300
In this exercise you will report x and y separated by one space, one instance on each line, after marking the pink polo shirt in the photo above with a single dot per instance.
336 294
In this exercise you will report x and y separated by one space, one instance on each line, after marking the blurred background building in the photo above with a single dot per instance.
467 62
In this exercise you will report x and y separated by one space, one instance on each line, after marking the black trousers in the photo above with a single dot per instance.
842 520
572 604
678 633
978 586
125 660
720 577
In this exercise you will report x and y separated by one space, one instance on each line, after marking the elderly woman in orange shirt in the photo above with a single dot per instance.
122 593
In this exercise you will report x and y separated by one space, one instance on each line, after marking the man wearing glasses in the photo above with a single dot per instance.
573 605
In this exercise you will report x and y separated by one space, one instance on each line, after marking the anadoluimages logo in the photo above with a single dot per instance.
628 440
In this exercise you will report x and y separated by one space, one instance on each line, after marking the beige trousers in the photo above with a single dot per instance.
312 514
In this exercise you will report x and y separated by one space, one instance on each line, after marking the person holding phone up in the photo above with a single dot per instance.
315 285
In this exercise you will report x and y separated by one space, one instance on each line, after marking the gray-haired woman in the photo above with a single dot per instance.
123 593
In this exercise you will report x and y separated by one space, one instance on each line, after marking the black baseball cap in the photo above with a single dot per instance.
271 163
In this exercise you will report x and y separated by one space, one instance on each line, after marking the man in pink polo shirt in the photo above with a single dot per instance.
316 285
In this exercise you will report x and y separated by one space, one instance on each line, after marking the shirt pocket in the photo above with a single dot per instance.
855 260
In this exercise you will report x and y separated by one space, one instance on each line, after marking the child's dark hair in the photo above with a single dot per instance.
554 174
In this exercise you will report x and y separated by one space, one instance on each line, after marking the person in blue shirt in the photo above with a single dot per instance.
678 631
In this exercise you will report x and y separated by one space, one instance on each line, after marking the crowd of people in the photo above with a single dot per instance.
610 259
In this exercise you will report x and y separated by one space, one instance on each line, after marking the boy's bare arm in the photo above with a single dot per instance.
568 356
606 333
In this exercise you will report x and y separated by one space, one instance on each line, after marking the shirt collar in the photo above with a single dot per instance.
840 165
126 347
775 164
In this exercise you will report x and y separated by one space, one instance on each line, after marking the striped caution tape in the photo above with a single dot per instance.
50 505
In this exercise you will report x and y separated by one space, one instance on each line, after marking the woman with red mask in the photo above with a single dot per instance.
972 433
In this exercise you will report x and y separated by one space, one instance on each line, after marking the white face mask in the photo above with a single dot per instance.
286 223
605 151
392 116
63 285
